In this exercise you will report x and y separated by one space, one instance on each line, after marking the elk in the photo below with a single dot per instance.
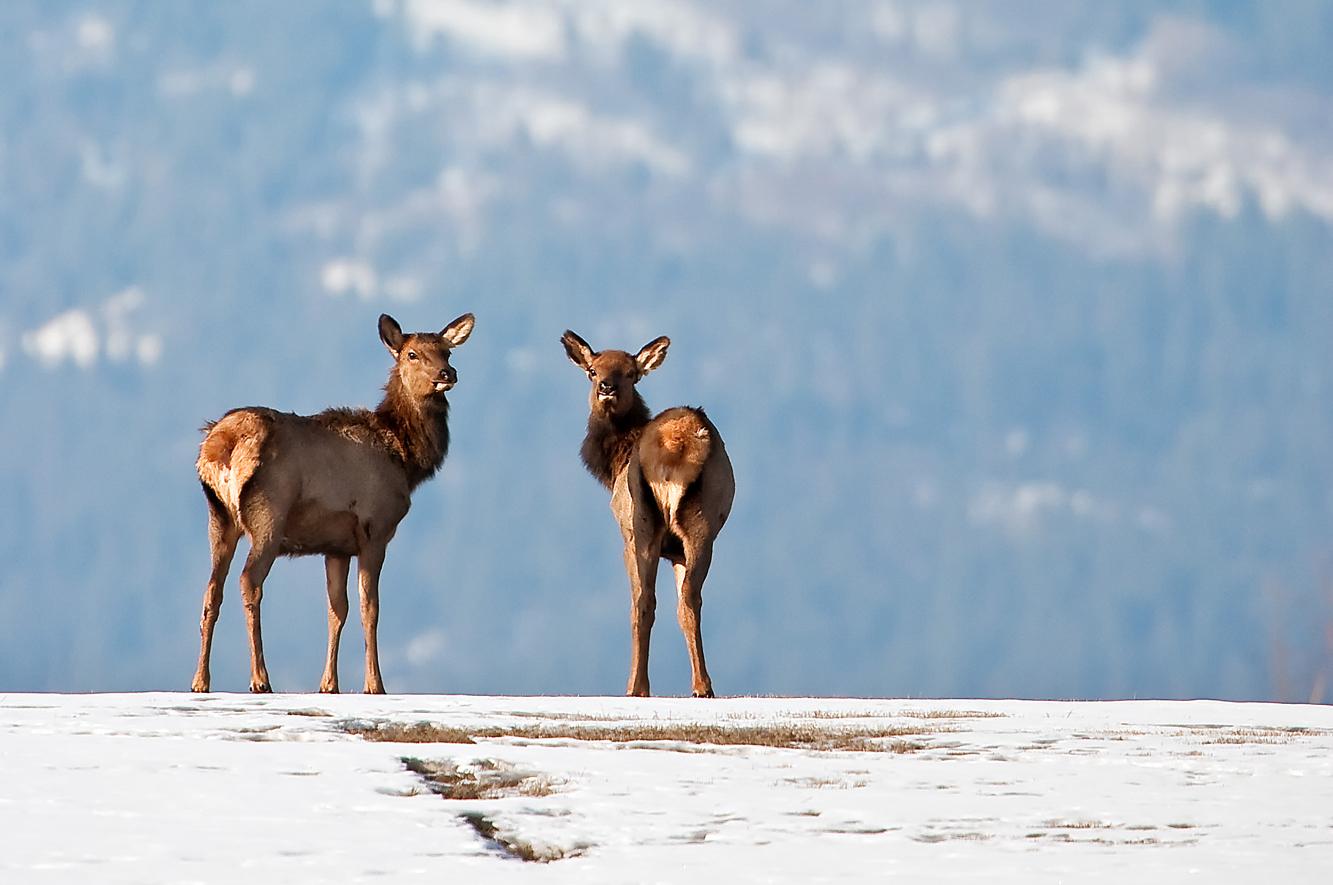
335 484
671 490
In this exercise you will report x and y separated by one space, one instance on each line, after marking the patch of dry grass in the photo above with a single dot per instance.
934 838
836 714
413 733
869 739
1259 735
1078 825
902 714
1065 838
486 779
562 717
820 783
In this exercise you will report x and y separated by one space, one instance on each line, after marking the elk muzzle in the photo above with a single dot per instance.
446 379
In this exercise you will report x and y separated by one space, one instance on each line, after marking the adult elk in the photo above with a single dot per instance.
671 491
334 484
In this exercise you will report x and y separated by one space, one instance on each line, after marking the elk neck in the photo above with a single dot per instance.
415 429
611 439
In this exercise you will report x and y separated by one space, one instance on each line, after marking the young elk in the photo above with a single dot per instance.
671 490
334 484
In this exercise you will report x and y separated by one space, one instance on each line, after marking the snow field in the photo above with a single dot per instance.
224 788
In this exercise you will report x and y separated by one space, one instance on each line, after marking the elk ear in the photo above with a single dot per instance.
457 332
580 352
391 334
652 355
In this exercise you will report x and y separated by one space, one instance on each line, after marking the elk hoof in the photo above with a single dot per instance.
199 685
374 689
638 692
706 693
326 688
260 688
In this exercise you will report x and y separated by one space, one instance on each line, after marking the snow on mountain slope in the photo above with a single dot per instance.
217 788
843 120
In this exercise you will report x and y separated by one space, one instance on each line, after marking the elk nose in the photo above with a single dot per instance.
448 374
605 387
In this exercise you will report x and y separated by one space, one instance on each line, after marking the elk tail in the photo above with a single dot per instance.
672 453
229 456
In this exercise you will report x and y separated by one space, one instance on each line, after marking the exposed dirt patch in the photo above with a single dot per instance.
487 779
512 846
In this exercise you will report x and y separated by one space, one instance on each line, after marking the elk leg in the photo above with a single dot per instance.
642 532
690 577
369 562
641 564
223 534
336 569
262 553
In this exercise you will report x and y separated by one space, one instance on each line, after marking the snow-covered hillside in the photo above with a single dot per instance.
288 788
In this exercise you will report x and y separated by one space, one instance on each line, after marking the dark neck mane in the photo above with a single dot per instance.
415 431
611 440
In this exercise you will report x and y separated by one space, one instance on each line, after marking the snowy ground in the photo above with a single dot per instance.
226 788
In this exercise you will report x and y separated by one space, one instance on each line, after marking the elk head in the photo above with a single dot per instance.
423 357
614 373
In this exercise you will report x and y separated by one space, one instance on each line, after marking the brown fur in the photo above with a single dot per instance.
671 487
334 484
672 452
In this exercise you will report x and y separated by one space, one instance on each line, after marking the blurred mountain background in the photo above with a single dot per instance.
1015 317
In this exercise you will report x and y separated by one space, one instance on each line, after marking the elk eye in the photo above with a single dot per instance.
592 374
411 354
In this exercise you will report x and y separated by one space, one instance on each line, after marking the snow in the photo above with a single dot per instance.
844 120
217 788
